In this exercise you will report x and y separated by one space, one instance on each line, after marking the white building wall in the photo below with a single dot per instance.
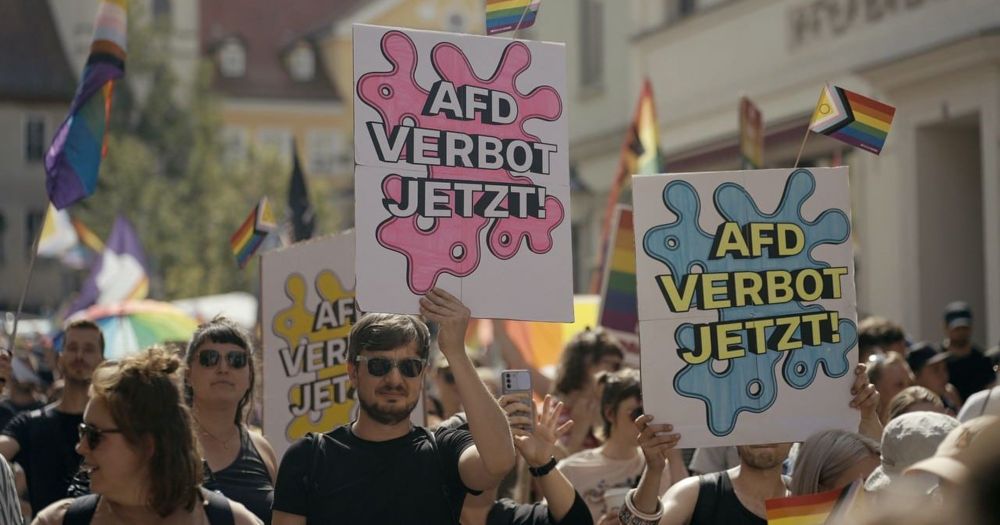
937 61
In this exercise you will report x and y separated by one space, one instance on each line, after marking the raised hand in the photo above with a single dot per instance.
656 441
538 446
451 315
865 395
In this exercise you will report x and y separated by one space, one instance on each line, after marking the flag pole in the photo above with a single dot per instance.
801 147
24 293
513 34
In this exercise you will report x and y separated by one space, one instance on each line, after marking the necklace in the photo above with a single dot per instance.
224 442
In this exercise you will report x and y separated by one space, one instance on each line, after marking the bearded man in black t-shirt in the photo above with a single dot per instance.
380 468
44 441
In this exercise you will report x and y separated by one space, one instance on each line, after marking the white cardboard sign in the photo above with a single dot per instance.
747 307
463 173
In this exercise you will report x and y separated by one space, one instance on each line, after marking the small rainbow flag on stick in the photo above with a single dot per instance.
852 118
74 158
812 509
619 311
247 240
510 15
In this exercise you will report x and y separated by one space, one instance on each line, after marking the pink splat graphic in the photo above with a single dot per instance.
448 245
451 245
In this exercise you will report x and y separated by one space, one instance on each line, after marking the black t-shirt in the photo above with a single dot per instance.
9 409
717 503
48 455
970 373
338 477
509 512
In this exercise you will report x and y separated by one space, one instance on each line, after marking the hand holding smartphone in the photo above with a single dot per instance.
518 383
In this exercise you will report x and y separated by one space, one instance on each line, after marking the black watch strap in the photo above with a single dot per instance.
544 469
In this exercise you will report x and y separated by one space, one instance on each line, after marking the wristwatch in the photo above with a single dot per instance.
544 469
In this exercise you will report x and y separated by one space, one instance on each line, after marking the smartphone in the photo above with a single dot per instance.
518 383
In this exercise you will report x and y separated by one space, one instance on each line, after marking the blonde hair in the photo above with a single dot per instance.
825 456
143 394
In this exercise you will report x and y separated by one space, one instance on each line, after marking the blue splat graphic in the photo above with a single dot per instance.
748 383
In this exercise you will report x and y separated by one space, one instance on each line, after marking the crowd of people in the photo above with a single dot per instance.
168 436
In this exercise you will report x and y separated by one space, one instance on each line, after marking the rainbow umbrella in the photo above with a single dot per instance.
131 326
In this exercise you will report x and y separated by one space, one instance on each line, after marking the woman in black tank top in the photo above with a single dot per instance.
219 380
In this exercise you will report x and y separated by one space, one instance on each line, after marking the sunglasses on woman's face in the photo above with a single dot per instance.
209 358
380 366
93 435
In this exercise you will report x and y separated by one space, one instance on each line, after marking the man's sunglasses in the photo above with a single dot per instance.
93 435
380 366
209 358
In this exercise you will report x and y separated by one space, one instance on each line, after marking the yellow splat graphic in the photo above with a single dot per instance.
295 325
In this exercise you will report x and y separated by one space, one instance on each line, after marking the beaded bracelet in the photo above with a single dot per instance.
629 515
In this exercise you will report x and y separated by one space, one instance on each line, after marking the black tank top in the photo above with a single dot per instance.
717 503
246 480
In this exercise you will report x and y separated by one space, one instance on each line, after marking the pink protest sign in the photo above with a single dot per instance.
463 173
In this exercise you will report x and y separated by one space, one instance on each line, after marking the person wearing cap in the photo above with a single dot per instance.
908 439
930 369
963 448
969 368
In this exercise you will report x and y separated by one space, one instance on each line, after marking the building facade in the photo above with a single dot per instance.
36 87
926 211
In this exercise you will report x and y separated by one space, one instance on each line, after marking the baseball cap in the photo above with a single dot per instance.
957 314
922 354
906 440
965 446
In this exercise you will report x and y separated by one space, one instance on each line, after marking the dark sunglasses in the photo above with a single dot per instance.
93 435
380 366
209 358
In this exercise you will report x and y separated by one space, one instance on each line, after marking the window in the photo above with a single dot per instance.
302 62
276 141
235 143
456 22
161 9
327 153
33 222
34 138
591 43
685 7
232 58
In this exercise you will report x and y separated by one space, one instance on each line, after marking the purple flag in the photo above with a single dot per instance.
74 157
120 272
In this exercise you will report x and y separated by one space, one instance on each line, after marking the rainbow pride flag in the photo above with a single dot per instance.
74 157
640 155
812 509
542 343
247 240
510 15
619 311
852 118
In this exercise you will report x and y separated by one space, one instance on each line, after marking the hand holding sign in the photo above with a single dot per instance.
453 318
656 441
866 401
